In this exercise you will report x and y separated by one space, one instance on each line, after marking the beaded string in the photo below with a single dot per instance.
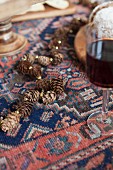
46 90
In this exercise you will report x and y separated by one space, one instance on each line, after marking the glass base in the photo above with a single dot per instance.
10 42
101 123
15 45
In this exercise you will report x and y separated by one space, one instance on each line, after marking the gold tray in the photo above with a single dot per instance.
48 12
80 45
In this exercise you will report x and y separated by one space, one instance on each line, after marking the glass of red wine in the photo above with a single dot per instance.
99 68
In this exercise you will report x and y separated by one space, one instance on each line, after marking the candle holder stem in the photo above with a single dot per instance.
10 42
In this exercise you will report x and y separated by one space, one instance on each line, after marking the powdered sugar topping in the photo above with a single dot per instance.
103 22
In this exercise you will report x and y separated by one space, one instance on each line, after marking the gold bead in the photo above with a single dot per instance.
71 31
59 42
30 67
39 77
24 59
1 118
25 99
41 94
36 56
51 59
17 112
56 48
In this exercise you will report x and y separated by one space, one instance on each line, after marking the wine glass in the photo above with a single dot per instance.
99 68
10 42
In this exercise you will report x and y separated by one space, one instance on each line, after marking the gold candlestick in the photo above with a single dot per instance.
10 42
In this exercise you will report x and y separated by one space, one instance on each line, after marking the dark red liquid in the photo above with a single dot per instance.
100 63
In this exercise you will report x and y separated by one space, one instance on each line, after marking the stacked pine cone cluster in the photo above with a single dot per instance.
27 67
60 37
46 92
77 23
50 89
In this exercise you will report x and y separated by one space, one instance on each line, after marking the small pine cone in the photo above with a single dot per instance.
24 66
77 23
31 96
57 58
43 60
55 44
43 85
28 57
36 72
58 41
57 85
62 33
49 97
10 122
25 108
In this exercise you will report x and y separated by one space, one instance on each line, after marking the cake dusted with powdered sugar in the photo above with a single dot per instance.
103 22
101 19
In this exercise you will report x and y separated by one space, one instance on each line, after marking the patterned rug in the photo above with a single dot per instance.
55 136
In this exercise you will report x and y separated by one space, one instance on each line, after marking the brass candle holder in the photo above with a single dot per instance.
10 42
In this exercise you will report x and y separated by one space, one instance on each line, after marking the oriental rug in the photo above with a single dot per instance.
55 136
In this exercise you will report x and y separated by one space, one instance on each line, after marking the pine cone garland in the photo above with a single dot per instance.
31 96
10 122
44 61
25 108
49 97
43 84
57 58
57 85
28 57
